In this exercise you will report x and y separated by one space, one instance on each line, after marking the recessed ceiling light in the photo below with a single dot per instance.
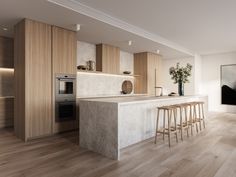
158 51
77 27
130 43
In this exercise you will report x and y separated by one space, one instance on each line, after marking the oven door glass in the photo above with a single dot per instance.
65 86
65 111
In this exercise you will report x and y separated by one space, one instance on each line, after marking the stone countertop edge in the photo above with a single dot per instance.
138 99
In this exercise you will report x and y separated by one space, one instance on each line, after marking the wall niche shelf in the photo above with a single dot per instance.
107 74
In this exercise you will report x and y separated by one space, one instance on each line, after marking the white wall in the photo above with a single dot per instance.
168 83
211 79
197 74
94 85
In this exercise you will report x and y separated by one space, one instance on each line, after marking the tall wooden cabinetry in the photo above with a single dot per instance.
64 62
148 67
6 82
32 61
108 59
41 51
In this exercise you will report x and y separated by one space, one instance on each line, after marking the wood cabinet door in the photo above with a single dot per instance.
6 112
6 52
108 59
38 89
148 68
140 69
154 72
111 59
63 50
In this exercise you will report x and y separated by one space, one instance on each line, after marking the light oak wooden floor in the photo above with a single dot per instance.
210 153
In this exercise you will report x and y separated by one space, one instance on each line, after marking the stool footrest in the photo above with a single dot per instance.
172 130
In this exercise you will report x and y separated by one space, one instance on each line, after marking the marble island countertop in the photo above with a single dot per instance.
110 124
132 99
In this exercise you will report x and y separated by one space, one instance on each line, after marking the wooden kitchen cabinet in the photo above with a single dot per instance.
148 68
41 51
107 59
6 52
64 61
33 100
7 82
6 111
63 50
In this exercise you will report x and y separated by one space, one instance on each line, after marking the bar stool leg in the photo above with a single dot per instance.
181 124
195 116
191 119
175 117
200 116
203 116
164 124
186 120
169 116
157 121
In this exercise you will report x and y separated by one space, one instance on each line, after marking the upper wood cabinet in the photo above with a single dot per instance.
148 67
33 110
6 61
107 59
6 52
63 50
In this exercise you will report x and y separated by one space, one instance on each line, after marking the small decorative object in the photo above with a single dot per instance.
180 75
127 72
228 84
173 94
127 87
91 65
82 67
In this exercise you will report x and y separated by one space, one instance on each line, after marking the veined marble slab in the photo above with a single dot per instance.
109 124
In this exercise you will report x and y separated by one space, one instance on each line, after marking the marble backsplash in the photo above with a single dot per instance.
99 85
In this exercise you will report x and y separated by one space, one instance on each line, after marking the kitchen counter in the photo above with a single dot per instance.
109 124
112 96
133 99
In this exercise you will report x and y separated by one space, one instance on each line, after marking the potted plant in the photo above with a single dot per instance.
180 75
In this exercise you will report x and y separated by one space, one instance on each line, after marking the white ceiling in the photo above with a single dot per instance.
92 30
203 26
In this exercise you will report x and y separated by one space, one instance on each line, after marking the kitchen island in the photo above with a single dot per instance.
109 124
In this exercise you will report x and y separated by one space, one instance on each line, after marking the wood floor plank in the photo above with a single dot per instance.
209 153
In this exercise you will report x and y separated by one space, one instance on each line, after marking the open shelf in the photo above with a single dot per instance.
102 73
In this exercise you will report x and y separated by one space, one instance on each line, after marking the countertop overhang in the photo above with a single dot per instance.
137 99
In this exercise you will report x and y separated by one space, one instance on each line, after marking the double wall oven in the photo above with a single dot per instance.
65 97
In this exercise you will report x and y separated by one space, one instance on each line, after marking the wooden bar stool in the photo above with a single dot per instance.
183 118
192 116
189 109
199 117
170 111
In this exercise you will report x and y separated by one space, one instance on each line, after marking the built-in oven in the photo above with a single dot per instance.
65 97
65 86
65 111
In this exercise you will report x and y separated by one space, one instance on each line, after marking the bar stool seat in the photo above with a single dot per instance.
170 129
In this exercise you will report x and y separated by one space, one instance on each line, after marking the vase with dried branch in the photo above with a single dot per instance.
180 75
